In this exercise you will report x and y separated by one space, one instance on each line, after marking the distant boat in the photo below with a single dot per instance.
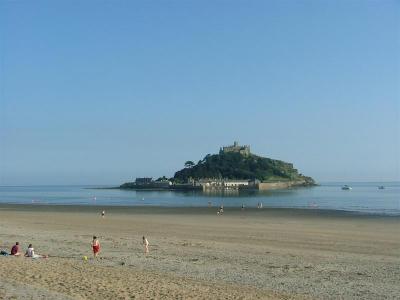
381 187
346 187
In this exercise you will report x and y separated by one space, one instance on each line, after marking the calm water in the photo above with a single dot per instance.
364 197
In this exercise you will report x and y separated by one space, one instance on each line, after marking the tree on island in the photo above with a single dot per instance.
189 164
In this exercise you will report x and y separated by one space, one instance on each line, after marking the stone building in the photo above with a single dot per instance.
244 150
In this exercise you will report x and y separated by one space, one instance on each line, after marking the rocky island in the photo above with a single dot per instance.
234 167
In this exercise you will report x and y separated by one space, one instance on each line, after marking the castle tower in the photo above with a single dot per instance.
244 150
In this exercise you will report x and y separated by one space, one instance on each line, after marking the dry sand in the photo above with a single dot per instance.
265 254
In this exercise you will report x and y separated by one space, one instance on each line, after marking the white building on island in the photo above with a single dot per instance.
224 183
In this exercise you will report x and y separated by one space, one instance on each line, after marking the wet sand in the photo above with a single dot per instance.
250 254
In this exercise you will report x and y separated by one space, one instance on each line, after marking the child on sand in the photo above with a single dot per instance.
95 246
146 245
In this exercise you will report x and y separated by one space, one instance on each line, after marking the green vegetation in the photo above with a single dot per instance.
237 166
189 164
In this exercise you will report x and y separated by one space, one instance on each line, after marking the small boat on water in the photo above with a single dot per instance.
381 187
346 187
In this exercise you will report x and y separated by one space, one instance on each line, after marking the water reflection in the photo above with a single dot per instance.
240 193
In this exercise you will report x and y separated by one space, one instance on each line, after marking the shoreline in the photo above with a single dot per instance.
221 189
150 209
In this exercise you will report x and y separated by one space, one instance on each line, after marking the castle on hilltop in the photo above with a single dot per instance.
244 150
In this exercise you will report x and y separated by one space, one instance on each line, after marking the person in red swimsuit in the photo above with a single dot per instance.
95 246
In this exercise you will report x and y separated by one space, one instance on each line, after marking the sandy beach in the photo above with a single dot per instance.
251 254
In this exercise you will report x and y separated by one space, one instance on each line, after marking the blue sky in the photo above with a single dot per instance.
99 92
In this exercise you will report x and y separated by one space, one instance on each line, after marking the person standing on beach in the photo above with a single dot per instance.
95 246
103 213
146 245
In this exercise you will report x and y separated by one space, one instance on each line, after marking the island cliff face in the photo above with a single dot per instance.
234 165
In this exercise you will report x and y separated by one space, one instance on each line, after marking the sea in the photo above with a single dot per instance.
363 198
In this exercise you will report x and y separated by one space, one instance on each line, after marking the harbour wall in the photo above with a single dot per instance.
263 186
